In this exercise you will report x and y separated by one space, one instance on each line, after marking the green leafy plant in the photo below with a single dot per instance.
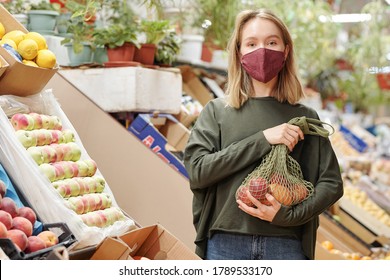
168 48
115 35
154 31
80 30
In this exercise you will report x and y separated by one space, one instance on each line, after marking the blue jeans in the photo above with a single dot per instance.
231 246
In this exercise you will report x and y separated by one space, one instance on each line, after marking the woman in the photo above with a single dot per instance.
234 133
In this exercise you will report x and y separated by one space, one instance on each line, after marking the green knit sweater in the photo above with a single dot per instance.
226 144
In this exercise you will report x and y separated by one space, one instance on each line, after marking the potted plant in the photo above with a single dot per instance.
119 40
154 32
80 42
42 17
18 8
168 49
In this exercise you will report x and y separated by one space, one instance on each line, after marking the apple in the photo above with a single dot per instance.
242 195
49 171
49 237
84 188
59 151
28 213
258 187
19 238
6 219
88 204
22 121
37 120
100 183
106 201
49 154
103 218
64 190
76 204
22 224
74 186
8 205
76 151
40 136
68 170
98 201
68 153
68 135
57 136
3 188
45 121
75 168
34 244
60 172
26 138
36 154
92 166
3 230
48 136
55 123
83 168
91 183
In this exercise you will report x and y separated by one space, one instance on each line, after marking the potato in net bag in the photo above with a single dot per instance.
279 174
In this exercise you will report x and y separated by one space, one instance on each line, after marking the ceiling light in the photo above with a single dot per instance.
346 18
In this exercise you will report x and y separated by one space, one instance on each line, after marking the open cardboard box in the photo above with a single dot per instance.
164 135
194 87
19 79
153 242
3 65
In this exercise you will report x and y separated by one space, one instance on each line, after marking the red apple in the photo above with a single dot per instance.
22 224
19 238
6 219
241 195
3 230
22 121
28 213
49 237
34 244
3 188
8 205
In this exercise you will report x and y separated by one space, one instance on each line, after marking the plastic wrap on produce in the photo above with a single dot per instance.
35 186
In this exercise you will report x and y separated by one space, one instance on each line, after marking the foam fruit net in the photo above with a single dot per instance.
279 174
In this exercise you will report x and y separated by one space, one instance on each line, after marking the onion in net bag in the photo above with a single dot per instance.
279 174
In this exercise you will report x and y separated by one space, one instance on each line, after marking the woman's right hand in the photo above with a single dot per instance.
285 133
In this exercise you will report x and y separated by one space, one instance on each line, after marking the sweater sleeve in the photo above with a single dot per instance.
328 189
207 163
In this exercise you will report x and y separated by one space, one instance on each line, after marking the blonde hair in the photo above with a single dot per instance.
239 84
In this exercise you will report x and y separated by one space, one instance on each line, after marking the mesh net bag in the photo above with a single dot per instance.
279 174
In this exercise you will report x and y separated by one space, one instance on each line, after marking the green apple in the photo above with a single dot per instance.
76 151
48 170
83 168
36 154
68 135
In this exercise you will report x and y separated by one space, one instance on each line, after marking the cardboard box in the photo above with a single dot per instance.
19 79
164 135
153 242
185 117
194 87
3 65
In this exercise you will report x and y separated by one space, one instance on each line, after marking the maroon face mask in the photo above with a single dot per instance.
263 64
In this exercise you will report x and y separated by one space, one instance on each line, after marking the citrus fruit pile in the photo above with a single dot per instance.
31 47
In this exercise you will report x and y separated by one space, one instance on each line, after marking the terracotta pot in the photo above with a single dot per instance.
122 53
383 80
145 54
207 51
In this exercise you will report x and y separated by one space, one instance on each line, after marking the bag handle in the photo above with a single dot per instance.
312 126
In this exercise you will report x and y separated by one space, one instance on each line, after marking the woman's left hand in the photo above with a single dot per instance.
261 211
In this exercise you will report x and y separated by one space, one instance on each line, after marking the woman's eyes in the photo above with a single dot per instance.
270 43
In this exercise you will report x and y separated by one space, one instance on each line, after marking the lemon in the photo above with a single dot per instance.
46 59
9 42
28 49
2 30
38 38
29 63
15 35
